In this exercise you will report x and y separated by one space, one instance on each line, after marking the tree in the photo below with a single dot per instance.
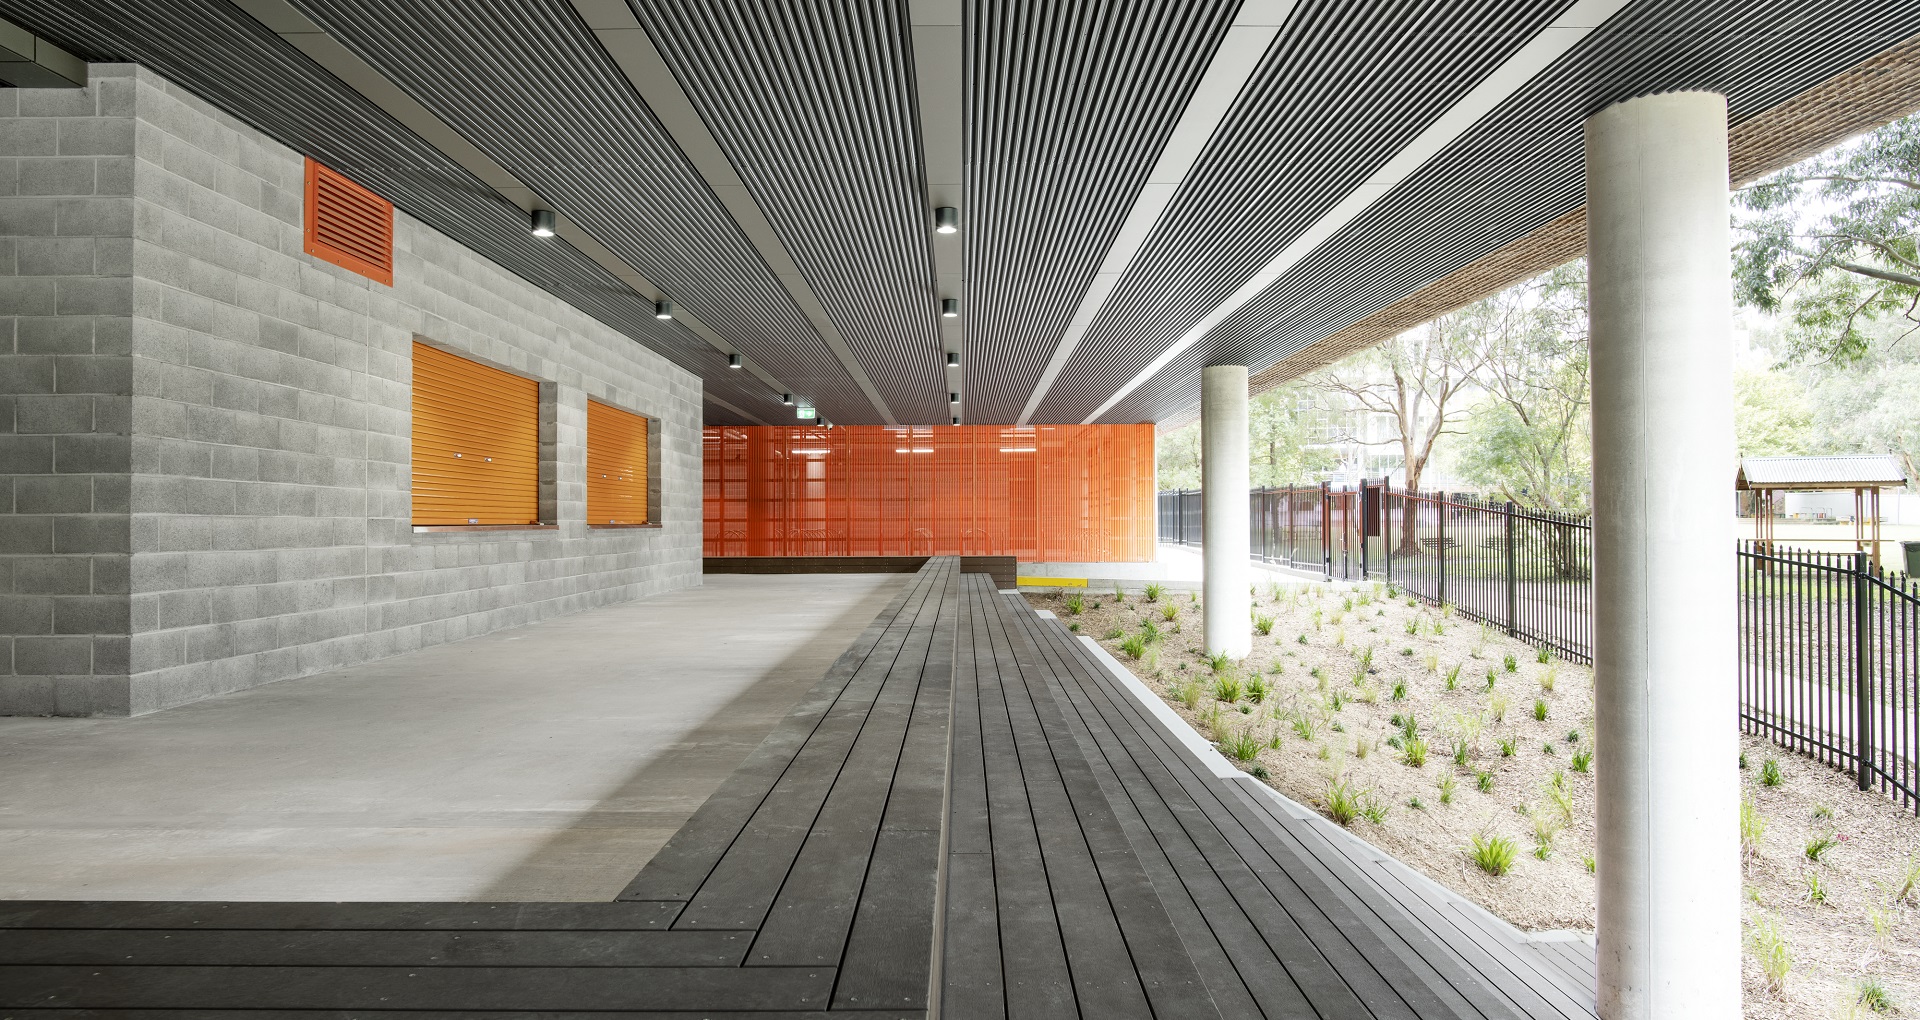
1277 440
1831 243
1771 417
1418 378
1870 405
1528 438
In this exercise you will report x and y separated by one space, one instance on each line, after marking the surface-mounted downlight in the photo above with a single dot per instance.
663 309
733 361
946 220
953 398
950 308
543 223
786 398
953 357
956 419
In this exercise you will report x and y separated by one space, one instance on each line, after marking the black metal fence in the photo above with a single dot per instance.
1829 653
1829 646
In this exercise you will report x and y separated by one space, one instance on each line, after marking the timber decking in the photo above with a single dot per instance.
969 816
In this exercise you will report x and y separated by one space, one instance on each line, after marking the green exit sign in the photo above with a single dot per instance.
806 412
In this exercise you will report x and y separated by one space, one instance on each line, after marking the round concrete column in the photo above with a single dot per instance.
1663 572
1224 478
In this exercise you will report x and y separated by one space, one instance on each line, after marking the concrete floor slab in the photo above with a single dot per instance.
547 762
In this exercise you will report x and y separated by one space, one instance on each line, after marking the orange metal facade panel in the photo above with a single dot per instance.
476 442
616 465
1044 492
348 225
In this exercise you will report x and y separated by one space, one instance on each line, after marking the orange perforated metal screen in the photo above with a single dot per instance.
616 466
1074 493
348 225
476 442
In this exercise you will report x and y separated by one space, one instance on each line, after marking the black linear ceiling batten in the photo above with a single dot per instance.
1523 166
221 55
1069 105
562 117
1343 89
811 100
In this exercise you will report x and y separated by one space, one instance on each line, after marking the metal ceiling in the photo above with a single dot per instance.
1068 105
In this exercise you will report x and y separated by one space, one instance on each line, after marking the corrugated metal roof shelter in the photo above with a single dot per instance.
1865 474
1859 471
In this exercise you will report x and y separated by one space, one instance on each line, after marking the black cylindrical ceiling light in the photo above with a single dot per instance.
953 358
663 309
950 308
946 220
787 399
543 223
953 398
733 360
956 419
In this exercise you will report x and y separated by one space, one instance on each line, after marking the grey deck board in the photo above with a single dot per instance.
627 916
147 947
105 986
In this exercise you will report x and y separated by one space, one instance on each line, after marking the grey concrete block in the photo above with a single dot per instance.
92 454
110 216
54 334
53 494
110 574
97 136
22 137
26 614
96 373
52 414
56 175
55 256
90 614
53 656
106 533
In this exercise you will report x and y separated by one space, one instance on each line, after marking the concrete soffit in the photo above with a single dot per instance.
939 56
619 32
289 24
30 62
1539 52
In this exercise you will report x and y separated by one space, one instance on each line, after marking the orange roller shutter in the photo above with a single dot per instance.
616 466
476 442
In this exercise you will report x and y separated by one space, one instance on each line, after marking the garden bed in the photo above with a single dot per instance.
1425 732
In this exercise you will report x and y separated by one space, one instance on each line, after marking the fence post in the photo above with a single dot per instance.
1440 540
1361 530
1862 671
1513 572
1386 525
1326 529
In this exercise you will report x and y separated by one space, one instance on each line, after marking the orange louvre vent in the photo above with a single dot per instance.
616 466
348 225
476 442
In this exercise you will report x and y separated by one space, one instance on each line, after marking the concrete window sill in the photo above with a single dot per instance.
420 529
619 527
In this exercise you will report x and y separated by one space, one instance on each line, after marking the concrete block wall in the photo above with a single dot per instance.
265 523
66 302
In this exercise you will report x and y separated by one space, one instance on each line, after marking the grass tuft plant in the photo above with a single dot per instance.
1226 688
1818 846
1152 592
1257 689
1770 773
1548 679
1583 760
1264 624
1873 995
1770 951
1135 646
1447 786
1483 779
1509 746
1244 745
1497 708
1453 677
1400 690
1075 603
1342 801
1511 663
1492 854
1543 655
1540 710
1414 752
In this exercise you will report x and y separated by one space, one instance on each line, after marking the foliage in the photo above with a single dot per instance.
1831 242
1527 439
1771 415
1770 951
1244 745
1770 772
1493 854
1152 592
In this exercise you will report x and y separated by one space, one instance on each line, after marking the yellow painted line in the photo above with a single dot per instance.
1052 582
